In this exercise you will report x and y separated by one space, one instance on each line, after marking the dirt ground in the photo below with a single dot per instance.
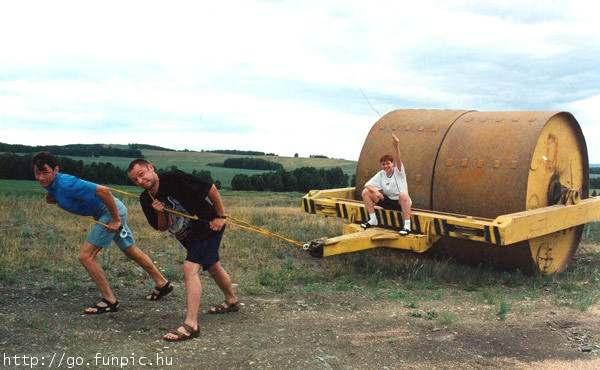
310 330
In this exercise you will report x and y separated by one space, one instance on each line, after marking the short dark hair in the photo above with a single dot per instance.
140 161
41 159
386 157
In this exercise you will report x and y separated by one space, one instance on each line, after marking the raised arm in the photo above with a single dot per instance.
397 158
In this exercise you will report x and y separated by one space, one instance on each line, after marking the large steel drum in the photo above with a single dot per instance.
486 164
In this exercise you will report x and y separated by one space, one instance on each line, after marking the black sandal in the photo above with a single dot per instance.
110 307
180 337
158 293
224 308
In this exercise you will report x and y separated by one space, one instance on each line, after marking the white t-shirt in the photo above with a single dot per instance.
391 186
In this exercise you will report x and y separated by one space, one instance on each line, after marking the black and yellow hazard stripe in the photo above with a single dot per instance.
309 205
385 217
491 234
416 224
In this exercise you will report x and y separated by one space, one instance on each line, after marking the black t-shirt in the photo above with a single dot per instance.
187 194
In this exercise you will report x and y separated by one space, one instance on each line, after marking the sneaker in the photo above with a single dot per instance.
365 225
404 232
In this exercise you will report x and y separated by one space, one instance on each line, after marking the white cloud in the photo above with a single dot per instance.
201 74
587 113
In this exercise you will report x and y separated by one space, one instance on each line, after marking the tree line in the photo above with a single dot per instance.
301 179
249 164
149 147
236 152
18 167
78 150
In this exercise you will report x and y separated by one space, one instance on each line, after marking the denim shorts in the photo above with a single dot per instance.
100 237
203 252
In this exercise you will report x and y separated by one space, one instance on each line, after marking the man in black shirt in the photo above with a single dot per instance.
187 194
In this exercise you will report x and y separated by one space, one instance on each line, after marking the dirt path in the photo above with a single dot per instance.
341 330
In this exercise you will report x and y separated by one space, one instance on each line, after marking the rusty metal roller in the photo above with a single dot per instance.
494 163
486 164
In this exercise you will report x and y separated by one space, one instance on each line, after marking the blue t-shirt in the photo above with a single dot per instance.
75 195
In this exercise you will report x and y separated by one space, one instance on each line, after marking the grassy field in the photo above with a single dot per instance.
199 161
26 219
302 309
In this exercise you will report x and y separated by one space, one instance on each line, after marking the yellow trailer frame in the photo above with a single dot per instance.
429 226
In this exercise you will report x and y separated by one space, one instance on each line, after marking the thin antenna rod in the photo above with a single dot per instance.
369 102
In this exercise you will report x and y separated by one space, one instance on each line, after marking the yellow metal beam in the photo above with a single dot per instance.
375 238
504 230
516 227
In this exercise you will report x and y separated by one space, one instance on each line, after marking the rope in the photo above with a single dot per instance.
122 192
247 226
122 232
181 214
234 221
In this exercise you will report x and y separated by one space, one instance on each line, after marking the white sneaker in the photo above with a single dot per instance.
404 232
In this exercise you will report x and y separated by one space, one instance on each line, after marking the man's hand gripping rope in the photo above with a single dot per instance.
217 223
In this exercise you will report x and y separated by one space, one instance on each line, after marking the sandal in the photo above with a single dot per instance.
157 293
224 308
180 337
110 307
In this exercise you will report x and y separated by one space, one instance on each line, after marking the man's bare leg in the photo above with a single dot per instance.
370 198
223 280
405 205
193 294
144 261
87 257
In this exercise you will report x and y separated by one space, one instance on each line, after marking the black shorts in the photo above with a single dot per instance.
388 203
203 252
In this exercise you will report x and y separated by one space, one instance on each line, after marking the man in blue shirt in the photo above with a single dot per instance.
88 199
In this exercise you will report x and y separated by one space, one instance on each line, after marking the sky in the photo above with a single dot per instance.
306 77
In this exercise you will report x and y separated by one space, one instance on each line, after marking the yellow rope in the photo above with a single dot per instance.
191 217
99 223
91 219
122 192
245 225
234 221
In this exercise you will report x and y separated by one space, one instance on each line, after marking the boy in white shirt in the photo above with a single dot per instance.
388 189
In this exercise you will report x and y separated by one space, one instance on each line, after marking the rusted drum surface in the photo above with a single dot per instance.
421 133
502 162
487 164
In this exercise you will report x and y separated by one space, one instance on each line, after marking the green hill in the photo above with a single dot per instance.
199 161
